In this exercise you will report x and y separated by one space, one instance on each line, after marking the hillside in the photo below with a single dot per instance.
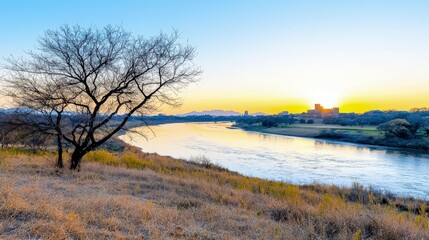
132 195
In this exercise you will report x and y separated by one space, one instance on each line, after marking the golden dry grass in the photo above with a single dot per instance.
133 195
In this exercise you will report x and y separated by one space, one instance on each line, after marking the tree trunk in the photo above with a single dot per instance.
76 158
60 163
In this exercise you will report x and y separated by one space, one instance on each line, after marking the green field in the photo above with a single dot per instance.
313 130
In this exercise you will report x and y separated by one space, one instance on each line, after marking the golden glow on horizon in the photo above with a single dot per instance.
352 103
371 100
299 92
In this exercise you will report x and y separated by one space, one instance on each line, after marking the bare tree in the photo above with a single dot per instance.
40 105
18 128
88 82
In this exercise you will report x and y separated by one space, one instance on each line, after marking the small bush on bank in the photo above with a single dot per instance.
16 151
358 193
130 160
102 156
126 159
203 161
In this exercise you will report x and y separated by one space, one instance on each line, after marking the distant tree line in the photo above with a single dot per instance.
399 124
159 119
415 116
267 120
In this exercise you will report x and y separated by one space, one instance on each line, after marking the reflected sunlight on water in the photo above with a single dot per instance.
291 159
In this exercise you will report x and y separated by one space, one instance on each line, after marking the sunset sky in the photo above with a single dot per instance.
266 56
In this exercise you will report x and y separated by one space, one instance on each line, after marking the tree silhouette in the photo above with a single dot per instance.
88 82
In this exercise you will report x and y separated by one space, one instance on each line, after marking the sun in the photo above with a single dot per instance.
326 101
328 98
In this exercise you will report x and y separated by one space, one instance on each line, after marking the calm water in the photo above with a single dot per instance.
290 159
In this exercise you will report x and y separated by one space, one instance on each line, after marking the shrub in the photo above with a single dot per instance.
15 151
358 193
132 161
269 123
397 127
102 156
202 161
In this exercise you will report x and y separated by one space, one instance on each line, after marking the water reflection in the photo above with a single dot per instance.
291 159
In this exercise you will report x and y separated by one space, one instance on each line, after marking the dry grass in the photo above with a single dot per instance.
133 195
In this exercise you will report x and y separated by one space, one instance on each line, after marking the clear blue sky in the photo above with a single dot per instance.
265 55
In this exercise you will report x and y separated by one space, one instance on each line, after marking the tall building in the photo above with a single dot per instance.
320 111
246 113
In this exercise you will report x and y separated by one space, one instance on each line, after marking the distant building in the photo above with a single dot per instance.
246 113
319 111
284 113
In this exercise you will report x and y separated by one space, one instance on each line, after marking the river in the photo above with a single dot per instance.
290 159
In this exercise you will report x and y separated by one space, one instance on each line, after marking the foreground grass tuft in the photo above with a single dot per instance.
20 151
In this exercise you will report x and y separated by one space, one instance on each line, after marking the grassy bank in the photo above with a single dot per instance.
133 195
354 134
310 130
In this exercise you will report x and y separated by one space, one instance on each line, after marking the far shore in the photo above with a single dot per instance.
367 135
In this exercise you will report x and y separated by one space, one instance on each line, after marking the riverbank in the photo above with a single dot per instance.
292 159
362 135
131 194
